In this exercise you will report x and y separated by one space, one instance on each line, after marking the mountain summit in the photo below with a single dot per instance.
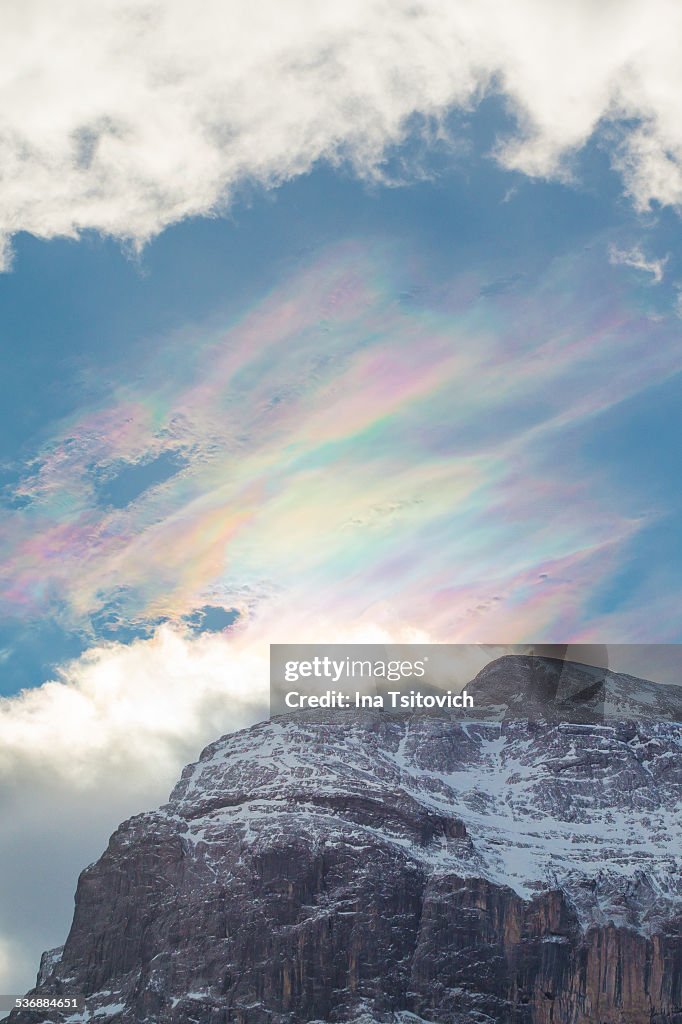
551 689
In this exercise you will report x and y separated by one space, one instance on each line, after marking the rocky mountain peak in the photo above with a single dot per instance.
552 689
380 867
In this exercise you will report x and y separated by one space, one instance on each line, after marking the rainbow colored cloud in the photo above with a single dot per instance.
346 451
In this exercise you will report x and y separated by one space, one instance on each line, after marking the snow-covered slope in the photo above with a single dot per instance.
542 807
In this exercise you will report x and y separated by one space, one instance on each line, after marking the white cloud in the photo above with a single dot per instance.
79 755
124 708
635 258
127 117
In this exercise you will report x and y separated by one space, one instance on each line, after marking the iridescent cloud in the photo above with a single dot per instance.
348 453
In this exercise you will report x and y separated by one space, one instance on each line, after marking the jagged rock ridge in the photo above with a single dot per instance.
392 868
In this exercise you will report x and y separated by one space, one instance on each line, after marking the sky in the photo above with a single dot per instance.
319 323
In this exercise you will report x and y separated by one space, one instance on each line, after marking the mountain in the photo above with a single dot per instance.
374 867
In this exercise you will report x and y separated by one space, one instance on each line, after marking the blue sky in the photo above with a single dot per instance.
350 322
85 317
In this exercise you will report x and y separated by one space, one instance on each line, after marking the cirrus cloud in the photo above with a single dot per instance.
344 450
635 258
127 117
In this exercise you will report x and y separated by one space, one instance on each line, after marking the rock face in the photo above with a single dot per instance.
372 867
